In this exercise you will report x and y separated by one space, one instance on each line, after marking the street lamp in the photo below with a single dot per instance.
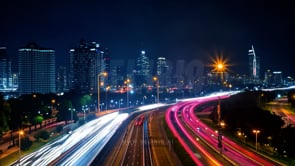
144 97
219 137
71 109
256 132
84 109
219 65
157 82
20 133
127 89
218 112
230 86
107 88
98 89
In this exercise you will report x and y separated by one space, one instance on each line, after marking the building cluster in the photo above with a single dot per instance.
38 72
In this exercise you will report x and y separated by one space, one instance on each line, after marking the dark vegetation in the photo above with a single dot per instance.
178 148
242 113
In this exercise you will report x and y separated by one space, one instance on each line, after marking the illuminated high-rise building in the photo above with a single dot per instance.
5 71
106 60
142 75
86 62
254 65
36 67
61 79
268 77
116 76
277 78
162 71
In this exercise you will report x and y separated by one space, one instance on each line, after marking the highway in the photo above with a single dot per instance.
134 153
161 146
196 151
283 110
80 146
182 114
141 143
138 151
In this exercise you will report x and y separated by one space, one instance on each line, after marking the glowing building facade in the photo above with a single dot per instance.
142 75
254 66
86 62
36 70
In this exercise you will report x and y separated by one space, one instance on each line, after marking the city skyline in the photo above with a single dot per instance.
187 30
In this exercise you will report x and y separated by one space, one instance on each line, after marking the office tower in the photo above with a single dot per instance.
61 79
277 78
254 65
36 69
268 77
162 71
86 62
142 74
116 77
5 71
106 60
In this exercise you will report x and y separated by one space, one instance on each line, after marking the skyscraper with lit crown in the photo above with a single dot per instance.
86 62
254 66
162 71
142 75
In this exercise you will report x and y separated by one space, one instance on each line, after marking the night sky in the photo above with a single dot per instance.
173 29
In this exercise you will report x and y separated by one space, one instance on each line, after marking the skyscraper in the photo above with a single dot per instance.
142 75
106 60
277 78
162 71
5 71
268 77
254 65
61 79
36 69
86 62
116 76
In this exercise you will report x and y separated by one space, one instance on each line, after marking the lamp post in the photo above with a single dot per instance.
218 111
84 109
221 125
20 133
256 132
72 109
157 84
127 89
219 65
144 97
98 89
107 89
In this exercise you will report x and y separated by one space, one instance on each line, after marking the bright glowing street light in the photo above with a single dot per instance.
219 65
222 124
127 82
256 132
20 133
107 89
98 89
157 82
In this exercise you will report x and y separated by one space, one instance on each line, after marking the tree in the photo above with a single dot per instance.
241 111
26 143
66 110
42 134
4 115
38 120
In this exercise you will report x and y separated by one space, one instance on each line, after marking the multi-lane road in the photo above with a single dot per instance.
78 147
143 143
141 140
190 130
